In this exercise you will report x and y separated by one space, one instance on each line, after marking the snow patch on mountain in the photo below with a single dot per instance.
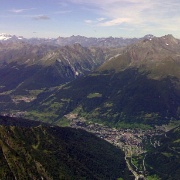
5 37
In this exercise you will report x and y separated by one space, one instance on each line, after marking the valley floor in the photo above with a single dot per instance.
131 141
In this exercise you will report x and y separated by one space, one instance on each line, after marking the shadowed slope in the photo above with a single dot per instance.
57 153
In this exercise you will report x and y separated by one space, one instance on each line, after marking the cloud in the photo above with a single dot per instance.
88 21
94 22
41 17
137 14
20 10
62 12
115 22
63 4
100 19
116 12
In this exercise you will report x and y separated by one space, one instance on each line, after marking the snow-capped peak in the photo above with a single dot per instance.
4 37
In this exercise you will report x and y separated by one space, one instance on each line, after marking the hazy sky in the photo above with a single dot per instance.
92 18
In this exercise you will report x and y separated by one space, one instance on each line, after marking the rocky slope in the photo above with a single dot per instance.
159 57
26 66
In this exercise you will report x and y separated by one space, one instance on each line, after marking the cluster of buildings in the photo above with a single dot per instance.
129 140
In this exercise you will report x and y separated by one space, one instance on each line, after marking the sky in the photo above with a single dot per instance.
91 18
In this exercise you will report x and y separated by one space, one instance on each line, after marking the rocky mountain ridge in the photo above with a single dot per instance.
107 42
21 63
139 85
150 54
5 37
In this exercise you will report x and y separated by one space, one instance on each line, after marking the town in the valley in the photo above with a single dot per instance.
129 140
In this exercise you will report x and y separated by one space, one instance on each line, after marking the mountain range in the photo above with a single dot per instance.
130 85
137 84
40 66
110 42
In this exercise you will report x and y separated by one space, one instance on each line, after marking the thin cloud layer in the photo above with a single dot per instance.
62 12
88 21
20 10
149 13
115 22
41 17
100 18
